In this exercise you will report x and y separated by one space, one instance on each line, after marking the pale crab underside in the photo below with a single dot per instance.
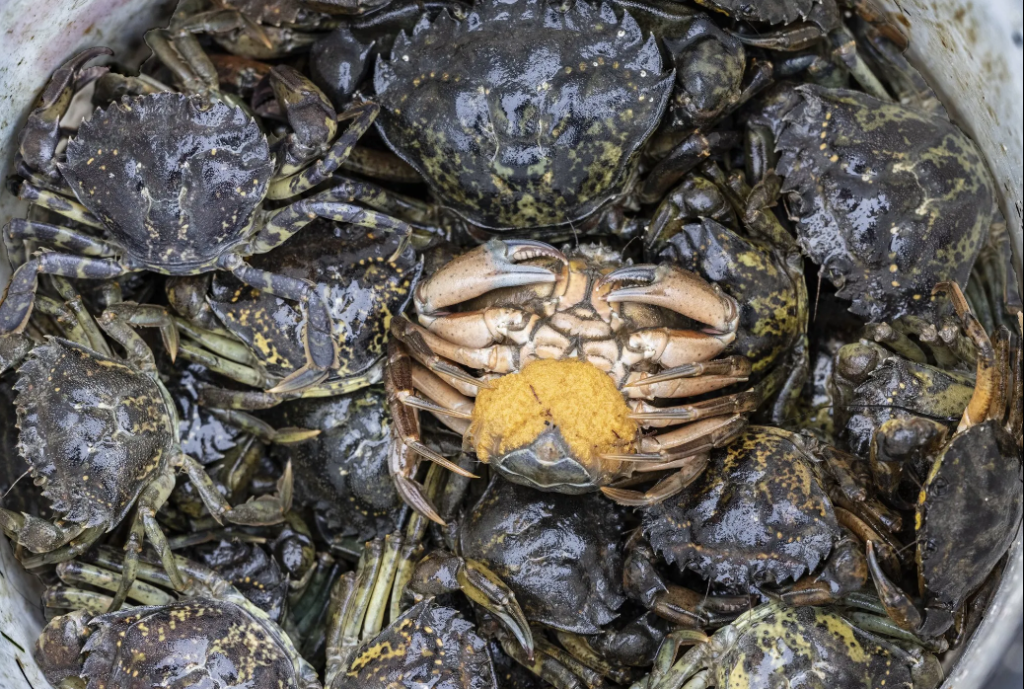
654 332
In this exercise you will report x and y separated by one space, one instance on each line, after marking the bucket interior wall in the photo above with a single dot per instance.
970 51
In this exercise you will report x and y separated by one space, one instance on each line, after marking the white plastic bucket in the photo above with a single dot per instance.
970 51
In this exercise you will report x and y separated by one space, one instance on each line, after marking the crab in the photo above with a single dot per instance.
777 645
364 281
101 436
259 29
761 516
887 200
971 503
545 565
573 352
213 634
549 134
762 269
897 412
342 474
205 215
429 645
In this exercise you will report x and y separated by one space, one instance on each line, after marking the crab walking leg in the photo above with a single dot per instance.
321 354
75 547
59 204
988 375
263 430
493 265
71 598
281 225
669 651
217 21
689 468
245 375
362 116
541 665
445 402
78 573
131 315
185 58
263 511
496 358
673 348
578 647
218 344
411 336
61 238
700 436
406 445
478 329
690 153
73 302
346 190
19 298
659 417
41 134
677 290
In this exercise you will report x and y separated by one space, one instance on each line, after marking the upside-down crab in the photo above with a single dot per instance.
573 349
176 182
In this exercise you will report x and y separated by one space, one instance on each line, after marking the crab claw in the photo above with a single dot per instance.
678 290
490 266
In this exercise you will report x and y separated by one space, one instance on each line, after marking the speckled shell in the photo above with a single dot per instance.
361 288
756 516
176 179
807 648
343 472
195 643
95 431
971 506
773 306
561 555
887 200
898 389
524 115
428 646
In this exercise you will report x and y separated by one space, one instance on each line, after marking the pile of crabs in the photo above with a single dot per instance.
508 345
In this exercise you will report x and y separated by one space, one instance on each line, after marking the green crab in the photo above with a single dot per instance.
970 505
176 183
779 646
211 635
101 436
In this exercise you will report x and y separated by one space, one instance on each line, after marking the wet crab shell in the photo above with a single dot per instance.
561 555
360 285
889 201
428 646
175 179
806 647
94 430
970 508
343 472
757 515
767 11
532 128
200 642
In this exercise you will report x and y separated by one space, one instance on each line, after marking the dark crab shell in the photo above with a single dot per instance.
428 646
527 128
360 286
343 473
175 179
807 647
889 201
757 515
561 555
94 430
199 642
970 509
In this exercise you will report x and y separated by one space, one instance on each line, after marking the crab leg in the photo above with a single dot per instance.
658 417
410 335
987 380
16 307
673 348
36 534
479 329
496 358
58 237
636 388
689 468
445 402
406 446
680 291
490 266
186 59
362 116
263 430
41 133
